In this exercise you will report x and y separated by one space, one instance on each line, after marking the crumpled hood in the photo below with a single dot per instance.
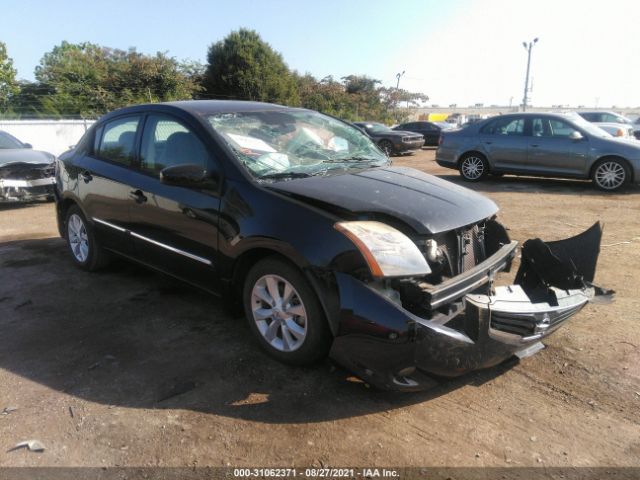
426 203
24 155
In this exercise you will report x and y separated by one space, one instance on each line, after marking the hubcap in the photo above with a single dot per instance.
472 168
279 313
78 240
610 175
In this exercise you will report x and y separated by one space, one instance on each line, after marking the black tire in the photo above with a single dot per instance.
95 257
610 174
387 147
317 338
473 167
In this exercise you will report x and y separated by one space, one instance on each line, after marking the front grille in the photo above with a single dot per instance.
528 324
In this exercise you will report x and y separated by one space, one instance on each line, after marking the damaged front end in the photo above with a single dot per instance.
404 332
23 181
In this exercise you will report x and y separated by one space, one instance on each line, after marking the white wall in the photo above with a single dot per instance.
53 136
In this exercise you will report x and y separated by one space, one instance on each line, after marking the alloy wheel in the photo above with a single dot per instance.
473 168
78 238
610 175
279 313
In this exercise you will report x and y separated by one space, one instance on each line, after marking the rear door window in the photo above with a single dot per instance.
115 141
505 126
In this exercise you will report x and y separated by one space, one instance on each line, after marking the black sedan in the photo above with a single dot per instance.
391 142
299 218
429 130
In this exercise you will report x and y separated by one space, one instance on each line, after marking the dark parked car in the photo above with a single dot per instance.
299 217
429 130
25 174
541 144
391 142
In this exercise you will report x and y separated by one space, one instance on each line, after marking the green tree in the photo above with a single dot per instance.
88 79
243 66
399 103
8 84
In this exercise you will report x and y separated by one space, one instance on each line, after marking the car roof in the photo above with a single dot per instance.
201 107
568 115
597 111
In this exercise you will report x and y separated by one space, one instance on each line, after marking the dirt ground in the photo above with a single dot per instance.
129 368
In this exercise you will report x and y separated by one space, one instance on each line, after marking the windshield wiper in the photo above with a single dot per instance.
284 175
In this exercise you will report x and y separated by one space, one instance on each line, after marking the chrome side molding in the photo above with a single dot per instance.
154 242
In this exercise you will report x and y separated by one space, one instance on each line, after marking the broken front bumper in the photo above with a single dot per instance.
392 348
20 190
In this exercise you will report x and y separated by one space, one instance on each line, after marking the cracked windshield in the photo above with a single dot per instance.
290 144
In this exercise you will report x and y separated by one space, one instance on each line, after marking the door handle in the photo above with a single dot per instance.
86 176
534 145
138 196
488 143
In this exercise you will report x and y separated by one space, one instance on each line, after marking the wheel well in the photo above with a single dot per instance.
63 208
244 263
622 160
474 152
248 259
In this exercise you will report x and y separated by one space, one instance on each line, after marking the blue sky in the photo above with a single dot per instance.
455 51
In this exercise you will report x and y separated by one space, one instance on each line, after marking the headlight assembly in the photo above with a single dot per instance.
388 252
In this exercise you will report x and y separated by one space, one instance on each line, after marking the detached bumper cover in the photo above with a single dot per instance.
391 348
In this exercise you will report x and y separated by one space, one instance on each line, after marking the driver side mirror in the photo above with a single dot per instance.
27 145
575 135
187 175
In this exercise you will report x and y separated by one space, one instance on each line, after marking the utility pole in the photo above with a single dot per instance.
528 48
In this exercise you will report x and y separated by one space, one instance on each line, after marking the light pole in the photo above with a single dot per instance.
398 76
528 48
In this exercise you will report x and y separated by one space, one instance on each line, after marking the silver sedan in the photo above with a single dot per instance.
541 144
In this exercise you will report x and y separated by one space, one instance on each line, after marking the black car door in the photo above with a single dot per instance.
431 133
104 180
175 228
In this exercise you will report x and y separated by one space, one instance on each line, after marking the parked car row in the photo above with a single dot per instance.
330 250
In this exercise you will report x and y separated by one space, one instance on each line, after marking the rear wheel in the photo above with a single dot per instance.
284 313
610 174
84 247
473 167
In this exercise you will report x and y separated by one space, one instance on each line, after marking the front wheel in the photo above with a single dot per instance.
473 167
610 174
284 313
